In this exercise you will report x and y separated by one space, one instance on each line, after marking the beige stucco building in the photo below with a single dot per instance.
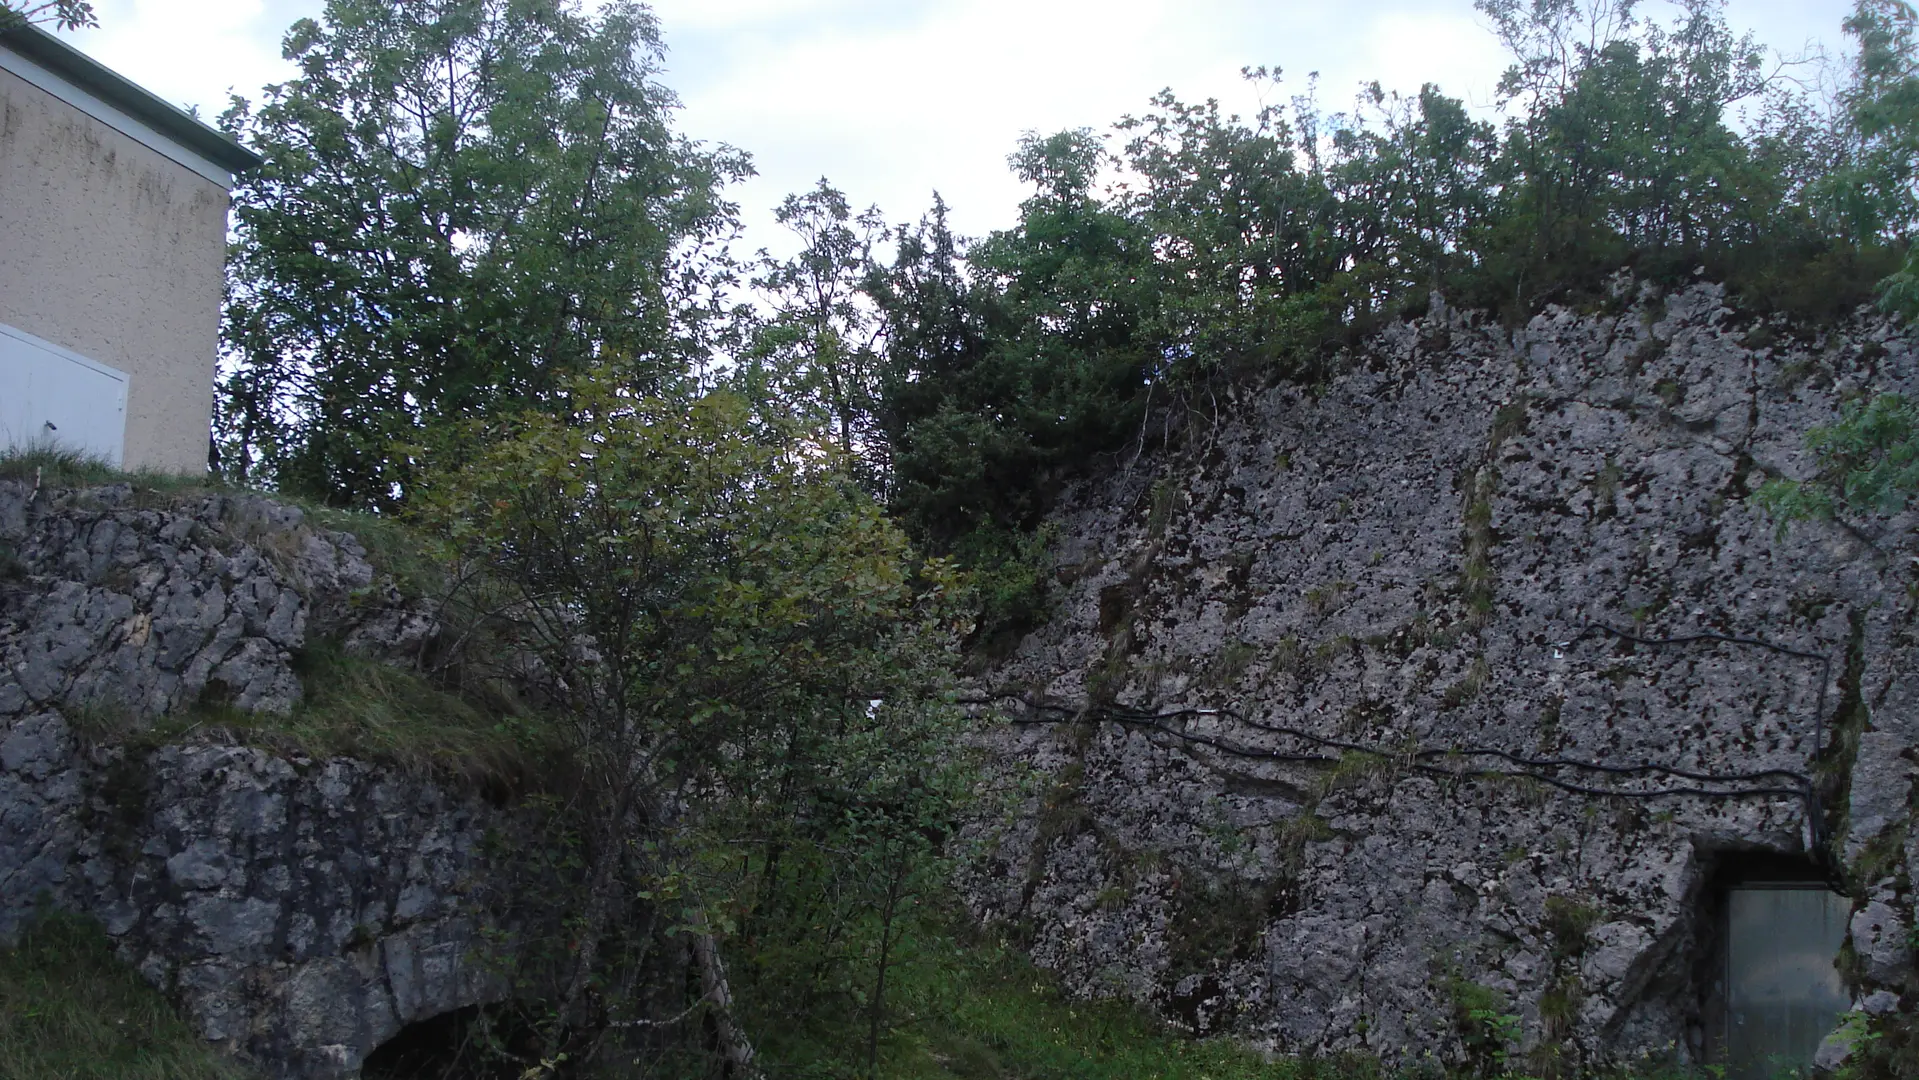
113 220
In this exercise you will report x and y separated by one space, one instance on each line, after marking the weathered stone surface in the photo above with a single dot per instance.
300 911
1413 558
1879 941
40 826
144 610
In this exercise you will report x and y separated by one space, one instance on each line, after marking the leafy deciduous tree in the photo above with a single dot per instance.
464 202
744 657
819 350
63 14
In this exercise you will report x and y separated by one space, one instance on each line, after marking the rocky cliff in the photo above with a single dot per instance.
302 911
1426 710
1451 690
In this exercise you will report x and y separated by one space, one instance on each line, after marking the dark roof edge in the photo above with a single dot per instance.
128 96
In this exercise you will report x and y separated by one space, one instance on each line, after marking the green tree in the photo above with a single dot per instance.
1236 227
942 449
62 14
819 350
1872 195
1412 186
743 657
1621 145
463 203
1036 357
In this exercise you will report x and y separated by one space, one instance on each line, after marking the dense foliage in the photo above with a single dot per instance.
1224 248
1867 463
481 284
464 203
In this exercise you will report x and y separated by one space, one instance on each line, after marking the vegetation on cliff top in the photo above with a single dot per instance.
482 286
412 257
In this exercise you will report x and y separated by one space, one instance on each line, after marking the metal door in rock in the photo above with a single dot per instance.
1783 994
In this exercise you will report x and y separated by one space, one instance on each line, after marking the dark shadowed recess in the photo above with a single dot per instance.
478 1042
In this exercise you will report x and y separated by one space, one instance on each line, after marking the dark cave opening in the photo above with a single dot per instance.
478 1042
1773 926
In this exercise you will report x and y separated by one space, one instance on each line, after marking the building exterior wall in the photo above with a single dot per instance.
115 252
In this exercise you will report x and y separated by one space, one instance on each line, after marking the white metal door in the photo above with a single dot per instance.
54 397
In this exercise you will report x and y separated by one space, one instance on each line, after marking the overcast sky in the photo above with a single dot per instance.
893 99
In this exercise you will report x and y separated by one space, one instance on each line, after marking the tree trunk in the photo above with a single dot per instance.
734 1046
877 1013
599 910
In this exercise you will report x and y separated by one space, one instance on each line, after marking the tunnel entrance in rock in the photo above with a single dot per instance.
478 1042
1772 991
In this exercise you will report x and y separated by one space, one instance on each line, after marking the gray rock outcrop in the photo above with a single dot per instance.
1307 740
143 605
300 911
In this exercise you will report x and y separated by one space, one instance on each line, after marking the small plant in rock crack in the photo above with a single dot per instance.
1488 1033
11 567
1496 1034
1569 923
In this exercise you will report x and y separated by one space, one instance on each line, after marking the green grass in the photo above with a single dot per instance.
1006 1021
964 1009
70 1011
56 468
394 549
365 708
358 707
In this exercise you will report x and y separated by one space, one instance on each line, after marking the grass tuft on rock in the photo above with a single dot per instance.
361 707
55 467
69 1010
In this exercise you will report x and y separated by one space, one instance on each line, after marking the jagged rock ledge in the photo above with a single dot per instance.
301 911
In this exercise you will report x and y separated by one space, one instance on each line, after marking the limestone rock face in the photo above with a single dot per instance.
1323 740
300 911
108 604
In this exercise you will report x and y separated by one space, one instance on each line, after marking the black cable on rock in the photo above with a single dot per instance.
1420 761
1824 662
1425 761
1819 841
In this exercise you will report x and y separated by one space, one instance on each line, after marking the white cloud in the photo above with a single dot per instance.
894 98
1454 50
744 14
191 52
